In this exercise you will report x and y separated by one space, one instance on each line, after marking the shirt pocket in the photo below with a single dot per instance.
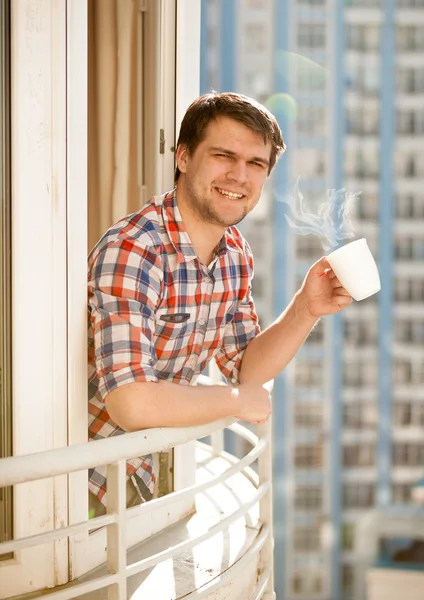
172 324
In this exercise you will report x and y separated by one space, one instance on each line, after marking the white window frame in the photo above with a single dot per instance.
38 134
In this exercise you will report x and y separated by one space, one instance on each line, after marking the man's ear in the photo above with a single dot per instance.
181 157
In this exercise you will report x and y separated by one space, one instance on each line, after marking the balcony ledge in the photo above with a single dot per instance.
213 568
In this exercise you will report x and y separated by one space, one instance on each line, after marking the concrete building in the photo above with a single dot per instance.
346 81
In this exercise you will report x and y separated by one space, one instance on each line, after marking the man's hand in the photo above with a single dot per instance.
321 292
255 402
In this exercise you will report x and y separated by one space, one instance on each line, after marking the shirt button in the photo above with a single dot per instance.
192 362
207 279
233 380
202 321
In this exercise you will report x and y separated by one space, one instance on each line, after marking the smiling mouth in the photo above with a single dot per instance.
230 195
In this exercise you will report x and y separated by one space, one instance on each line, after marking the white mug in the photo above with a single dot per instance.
355 268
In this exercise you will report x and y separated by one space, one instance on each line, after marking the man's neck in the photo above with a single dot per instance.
204 236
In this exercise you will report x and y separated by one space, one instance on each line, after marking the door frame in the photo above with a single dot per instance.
179 57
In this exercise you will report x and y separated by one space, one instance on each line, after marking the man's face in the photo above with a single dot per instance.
222 180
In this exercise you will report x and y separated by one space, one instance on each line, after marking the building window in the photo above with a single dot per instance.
308 373
256 37
309 163
308 415
409 206
410 80
408 454
407 165
401 493
410 122
362 163
308 456
360 333
307 580
307 539
362 77
402 372
348 574
362 122
312 120
308 498
362 38
360 415
366 207
409 290
409 248
358 455
408 331
311 36
358 495
409 38
308 247
310 80
360 373
402 414
408 414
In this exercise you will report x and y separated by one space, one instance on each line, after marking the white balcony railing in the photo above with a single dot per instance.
114 452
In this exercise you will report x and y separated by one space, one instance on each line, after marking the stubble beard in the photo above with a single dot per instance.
206 212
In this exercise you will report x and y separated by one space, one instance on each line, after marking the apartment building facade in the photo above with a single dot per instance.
346 80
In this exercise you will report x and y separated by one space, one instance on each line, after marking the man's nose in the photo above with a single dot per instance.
238 172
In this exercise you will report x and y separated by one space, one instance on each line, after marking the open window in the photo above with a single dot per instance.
131 107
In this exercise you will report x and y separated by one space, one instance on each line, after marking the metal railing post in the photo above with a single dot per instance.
266 560
116 532
217 437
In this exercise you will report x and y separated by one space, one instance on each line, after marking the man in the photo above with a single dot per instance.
170 288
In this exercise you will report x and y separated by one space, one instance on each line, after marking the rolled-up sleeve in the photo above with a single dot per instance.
238 332
123 291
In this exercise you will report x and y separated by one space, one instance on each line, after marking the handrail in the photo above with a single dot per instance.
49 463
48 536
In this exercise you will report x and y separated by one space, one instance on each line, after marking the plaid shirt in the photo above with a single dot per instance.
157 312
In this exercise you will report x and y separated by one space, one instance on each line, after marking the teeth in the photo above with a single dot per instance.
230 194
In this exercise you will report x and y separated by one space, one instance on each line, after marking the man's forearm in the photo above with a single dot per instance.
143 405
273 349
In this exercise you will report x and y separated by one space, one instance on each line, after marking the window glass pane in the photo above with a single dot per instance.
308 498
6 517
307 539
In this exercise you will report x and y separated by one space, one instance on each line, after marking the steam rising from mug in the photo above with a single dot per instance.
331 222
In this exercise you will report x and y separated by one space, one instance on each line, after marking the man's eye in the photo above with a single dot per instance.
222 154
258 164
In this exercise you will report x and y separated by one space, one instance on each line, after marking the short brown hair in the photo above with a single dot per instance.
241 108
